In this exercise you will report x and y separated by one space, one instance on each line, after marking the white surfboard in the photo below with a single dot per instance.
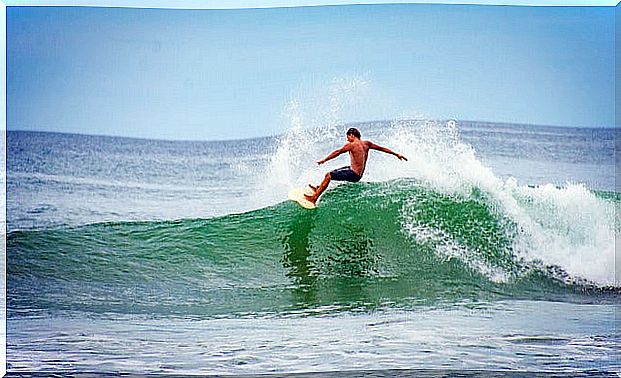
297 195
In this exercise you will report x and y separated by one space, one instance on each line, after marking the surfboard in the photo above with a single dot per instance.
297 195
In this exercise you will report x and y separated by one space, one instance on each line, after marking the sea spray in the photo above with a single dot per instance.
313 127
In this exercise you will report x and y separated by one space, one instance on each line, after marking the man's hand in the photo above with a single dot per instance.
321 162
401 157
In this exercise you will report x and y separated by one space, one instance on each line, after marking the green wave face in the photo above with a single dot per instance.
367 246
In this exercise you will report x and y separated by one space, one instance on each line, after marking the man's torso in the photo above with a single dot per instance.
358 153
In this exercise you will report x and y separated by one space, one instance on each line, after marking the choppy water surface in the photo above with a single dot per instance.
491 248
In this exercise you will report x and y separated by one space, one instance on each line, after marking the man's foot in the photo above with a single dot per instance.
310 198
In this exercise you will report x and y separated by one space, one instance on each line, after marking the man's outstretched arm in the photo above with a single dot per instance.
334 154
374 146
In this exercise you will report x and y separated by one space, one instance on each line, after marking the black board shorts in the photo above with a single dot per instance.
345 174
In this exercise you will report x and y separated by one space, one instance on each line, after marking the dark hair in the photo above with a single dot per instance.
353 131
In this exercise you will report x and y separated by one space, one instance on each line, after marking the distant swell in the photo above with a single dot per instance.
395 243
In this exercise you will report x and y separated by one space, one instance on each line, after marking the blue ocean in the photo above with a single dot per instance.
492 248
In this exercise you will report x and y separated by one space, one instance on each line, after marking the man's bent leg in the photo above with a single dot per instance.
322 187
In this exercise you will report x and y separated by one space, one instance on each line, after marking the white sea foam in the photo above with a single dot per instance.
569 227
446 248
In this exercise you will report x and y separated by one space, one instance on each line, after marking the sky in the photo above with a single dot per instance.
235 4
240 73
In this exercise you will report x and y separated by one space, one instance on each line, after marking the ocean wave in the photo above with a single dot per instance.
394 243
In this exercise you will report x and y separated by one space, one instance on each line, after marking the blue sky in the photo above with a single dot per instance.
226 74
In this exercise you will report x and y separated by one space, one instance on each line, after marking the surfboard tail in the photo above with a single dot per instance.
298 195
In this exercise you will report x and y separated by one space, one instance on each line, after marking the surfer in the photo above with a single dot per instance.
358 152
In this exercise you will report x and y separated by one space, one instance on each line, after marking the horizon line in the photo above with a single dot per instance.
283 132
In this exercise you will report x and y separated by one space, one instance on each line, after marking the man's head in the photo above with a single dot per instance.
353 133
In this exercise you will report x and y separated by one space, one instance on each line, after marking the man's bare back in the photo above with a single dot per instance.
358 153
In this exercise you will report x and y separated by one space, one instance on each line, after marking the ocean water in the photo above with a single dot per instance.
492 248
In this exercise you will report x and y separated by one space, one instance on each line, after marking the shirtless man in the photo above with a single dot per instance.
358 152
